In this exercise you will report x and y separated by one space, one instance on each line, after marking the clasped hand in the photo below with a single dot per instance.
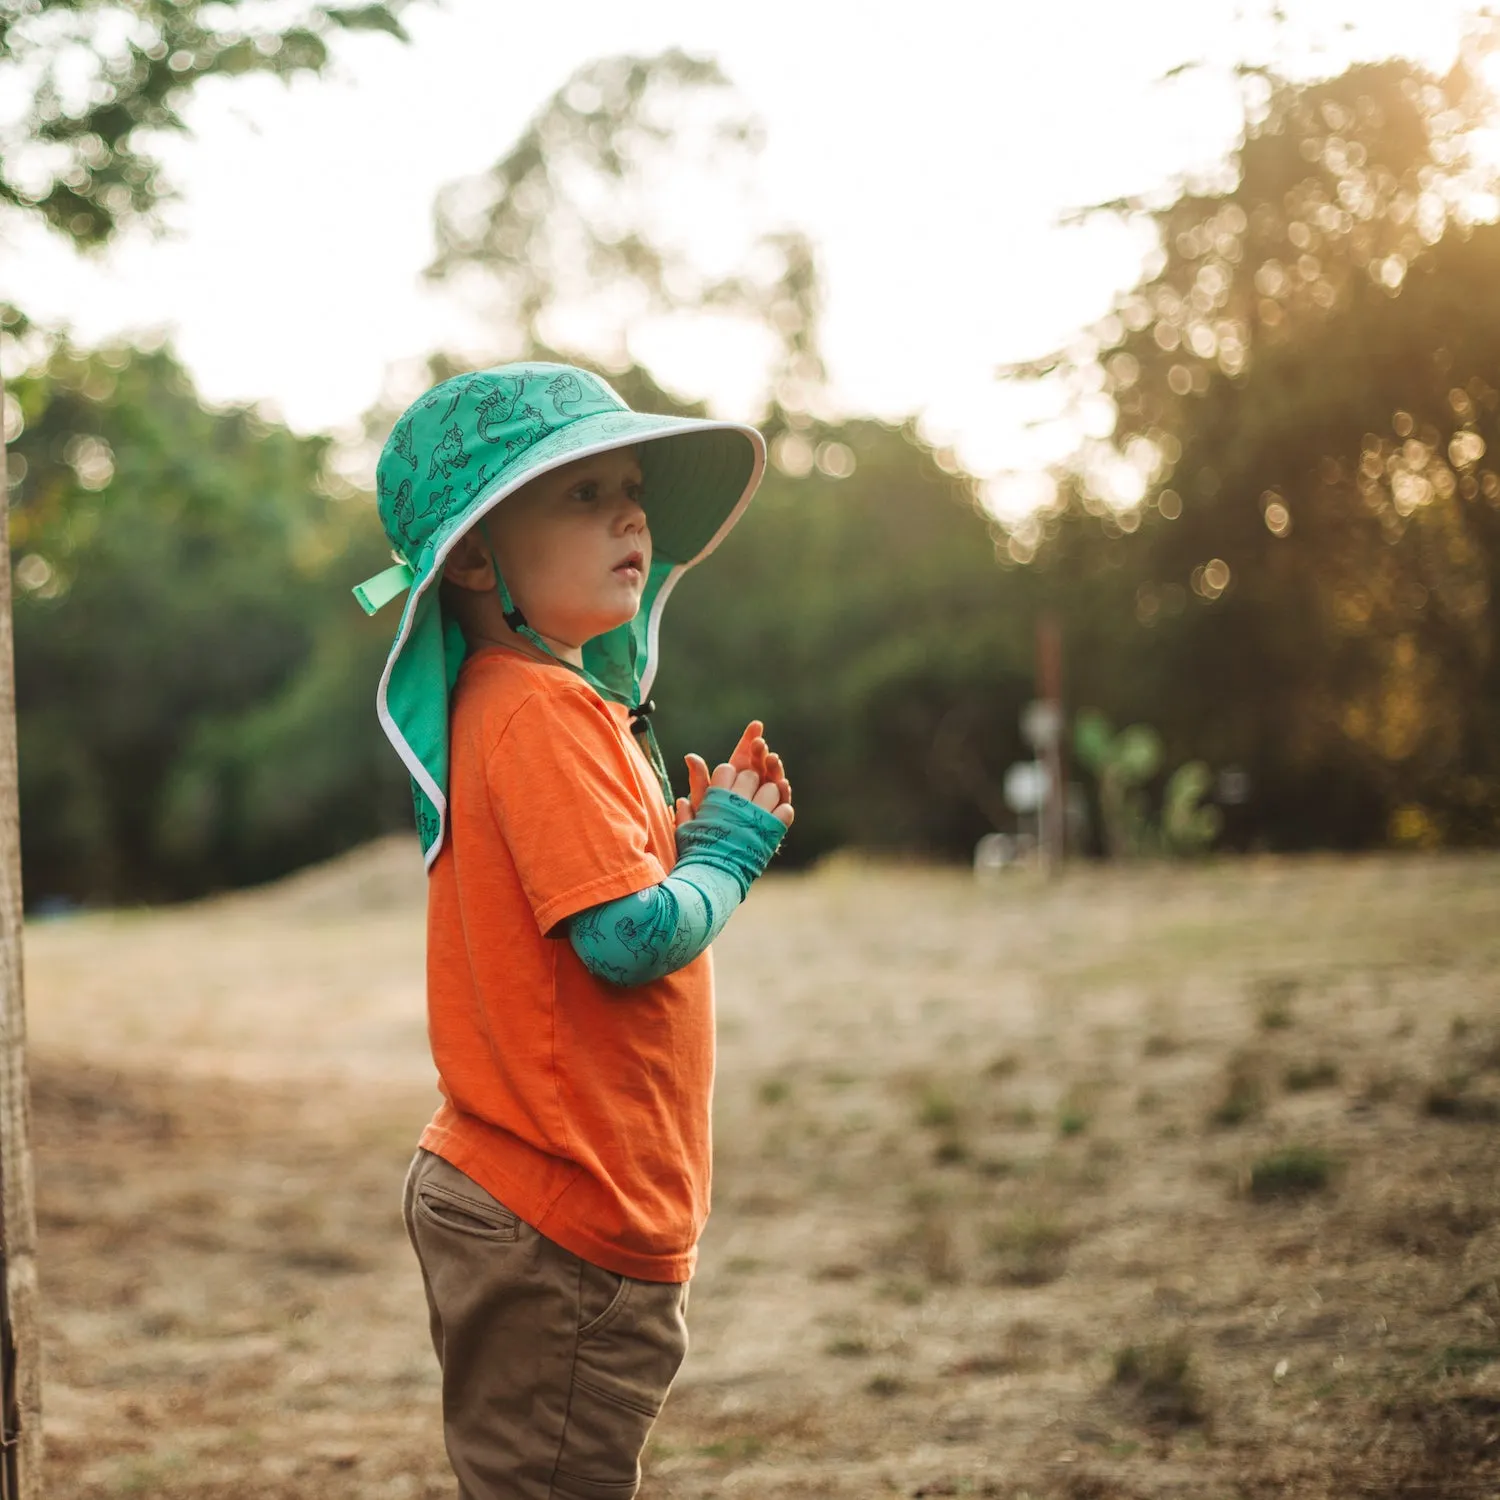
754 771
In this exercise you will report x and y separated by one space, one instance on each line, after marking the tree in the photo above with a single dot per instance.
574 238
104 75
1293 534
193 687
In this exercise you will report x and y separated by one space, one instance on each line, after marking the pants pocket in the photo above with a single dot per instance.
626 1361
444 1197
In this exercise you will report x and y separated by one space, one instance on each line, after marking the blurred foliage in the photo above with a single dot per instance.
102 76
1122 765
864 619
1287 555
1189 824
193 691
1284 557
195 685
584 212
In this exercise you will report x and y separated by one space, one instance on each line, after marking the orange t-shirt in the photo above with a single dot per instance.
581 1106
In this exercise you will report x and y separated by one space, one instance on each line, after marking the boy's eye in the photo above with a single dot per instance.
588 490
635 492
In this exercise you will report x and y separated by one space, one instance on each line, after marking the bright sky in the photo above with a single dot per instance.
928 151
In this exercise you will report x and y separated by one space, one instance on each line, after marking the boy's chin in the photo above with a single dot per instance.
605 623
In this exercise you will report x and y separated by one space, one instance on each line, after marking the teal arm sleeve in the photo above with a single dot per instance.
641 937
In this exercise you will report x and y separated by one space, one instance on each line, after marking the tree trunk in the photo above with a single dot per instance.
20 1459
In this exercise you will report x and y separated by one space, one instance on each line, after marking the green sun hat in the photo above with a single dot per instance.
453 456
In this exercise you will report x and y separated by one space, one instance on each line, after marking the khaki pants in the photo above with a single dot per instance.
554 1370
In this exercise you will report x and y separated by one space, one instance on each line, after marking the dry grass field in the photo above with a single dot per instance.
1167 1182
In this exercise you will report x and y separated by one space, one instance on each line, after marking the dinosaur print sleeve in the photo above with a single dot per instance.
657 931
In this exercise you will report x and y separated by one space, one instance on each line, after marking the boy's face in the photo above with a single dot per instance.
574 547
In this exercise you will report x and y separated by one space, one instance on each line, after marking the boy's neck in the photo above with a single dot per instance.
481 616
498 633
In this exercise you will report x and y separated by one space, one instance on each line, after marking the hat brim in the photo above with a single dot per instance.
694 484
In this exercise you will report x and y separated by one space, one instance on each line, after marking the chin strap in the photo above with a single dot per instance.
640 727
640 714
511 610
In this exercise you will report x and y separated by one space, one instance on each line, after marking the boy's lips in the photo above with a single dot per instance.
633 563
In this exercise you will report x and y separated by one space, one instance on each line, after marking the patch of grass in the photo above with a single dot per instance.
839 1270
1007 1065
1292 1172
995 1167
1019 1117
1465 1359
1160 1377
1453 1099
324 1260
1273 995
847 1346
1318 1074
1159 1044
1244 1093
1486 1055
1021 1347
1072 1119
1031 1248
937 1251
774 1091
1147 1100
739 1447
146 1476
898 1289
885 1385
950 1151
1382 1087
937 1110
1444 1227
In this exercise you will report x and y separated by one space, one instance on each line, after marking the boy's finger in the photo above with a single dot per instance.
684 811
767 796
785 813
746 784
697 769
743 756
724 776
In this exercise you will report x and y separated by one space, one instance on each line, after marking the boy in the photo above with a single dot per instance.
557 1196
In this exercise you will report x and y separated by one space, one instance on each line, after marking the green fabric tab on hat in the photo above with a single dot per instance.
375 593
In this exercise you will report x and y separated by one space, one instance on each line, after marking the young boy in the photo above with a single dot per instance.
557 1197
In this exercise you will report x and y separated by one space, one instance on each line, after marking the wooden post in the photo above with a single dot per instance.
1054 819
20 1401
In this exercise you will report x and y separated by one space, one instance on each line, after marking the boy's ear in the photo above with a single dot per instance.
469 565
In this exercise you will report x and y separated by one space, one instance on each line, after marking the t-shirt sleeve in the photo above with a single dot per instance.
568 804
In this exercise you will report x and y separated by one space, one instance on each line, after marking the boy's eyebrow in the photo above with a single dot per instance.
582 476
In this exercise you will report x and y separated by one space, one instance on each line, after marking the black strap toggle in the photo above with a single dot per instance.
640 713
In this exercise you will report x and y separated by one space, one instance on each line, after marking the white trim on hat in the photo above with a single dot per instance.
653 621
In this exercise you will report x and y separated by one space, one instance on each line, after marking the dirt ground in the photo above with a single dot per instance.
1166 1182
